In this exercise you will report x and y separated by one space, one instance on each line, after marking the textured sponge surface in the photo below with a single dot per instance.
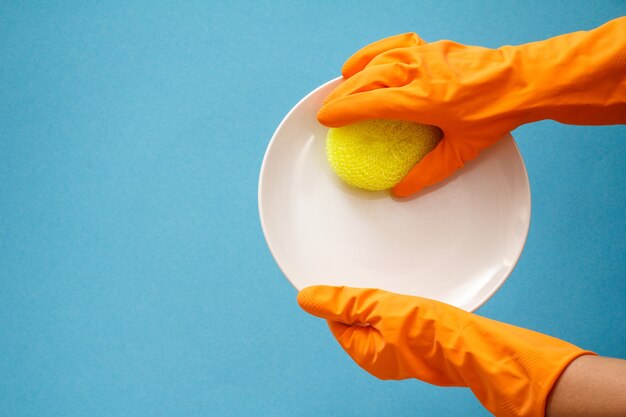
376 154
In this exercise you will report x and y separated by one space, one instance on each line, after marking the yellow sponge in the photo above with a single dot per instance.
377 154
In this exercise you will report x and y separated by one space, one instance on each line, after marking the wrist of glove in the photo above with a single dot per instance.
510 370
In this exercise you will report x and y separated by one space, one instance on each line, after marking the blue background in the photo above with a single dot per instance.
135 279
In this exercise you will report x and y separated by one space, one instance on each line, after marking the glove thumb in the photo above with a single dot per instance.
436 166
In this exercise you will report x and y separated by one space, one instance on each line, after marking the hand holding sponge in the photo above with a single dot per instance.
477 95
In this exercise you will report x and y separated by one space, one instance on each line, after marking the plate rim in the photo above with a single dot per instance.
475 306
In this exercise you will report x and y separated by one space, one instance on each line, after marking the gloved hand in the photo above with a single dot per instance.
510 370
476 95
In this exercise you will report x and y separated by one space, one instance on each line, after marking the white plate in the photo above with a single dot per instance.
455 242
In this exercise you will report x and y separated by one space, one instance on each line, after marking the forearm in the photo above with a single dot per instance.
590 386
575 78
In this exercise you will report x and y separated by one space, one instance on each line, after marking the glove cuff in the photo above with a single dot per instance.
576 78
544 367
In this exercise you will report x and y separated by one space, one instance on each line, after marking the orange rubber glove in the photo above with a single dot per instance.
510 370
476 95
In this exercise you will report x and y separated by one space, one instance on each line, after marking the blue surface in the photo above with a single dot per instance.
135 280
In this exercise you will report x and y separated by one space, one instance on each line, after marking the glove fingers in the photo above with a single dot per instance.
350 306
396 56
360 59
383 103
362 345
341 331
394 74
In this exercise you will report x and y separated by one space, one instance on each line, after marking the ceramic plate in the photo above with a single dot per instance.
455 242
